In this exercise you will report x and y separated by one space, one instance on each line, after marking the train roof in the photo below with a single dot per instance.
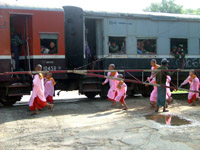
141 15
18 5
146 15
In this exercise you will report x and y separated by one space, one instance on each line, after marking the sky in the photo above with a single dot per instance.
126 6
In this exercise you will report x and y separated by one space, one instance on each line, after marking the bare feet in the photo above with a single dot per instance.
113 104
35 113
193 104
125 108
165 110
51 107
157 109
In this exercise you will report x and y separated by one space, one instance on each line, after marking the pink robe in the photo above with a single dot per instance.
49 88
121 93
152 80
113 85
194 85
37 98
49 91
168 92
153 97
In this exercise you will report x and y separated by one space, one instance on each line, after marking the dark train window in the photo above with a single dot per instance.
178 46
117 45
49 43
146 46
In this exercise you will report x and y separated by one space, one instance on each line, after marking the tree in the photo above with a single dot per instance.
166 6
192 11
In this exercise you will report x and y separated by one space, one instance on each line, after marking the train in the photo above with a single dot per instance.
81 37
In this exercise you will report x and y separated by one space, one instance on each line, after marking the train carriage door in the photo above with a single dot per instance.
74 37
21 40
93 40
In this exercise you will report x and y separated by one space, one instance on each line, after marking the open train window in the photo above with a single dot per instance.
146 46
178 45
49 43
117 45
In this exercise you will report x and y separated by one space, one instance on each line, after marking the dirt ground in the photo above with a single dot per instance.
82 124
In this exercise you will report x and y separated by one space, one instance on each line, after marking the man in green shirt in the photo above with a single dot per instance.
161 78
113 48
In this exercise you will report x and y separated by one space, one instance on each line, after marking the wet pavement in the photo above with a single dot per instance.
85 124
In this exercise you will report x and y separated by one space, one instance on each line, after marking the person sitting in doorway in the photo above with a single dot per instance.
88 52
52 49
13 69
113 47
15 42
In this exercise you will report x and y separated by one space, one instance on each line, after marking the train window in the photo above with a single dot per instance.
179 47
49 43
117 45
146 46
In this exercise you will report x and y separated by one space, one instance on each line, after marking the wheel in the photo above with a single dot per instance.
103 95
90 95
104 91
9 101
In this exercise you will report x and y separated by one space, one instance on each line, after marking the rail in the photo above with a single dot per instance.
136 81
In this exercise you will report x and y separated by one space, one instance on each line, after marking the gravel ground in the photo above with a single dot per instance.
82 124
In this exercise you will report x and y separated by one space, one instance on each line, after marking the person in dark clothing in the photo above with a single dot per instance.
181 54
52 48
161 78
174 52
113 47
15 42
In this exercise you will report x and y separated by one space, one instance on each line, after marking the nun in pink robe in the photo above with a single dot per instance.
168 92
121 93
49 90
37 98
153 96
194 86
152 80
113 84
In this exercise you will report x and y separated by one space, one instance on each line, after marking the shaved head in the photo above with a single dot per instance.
112 66
38 67
120 76
154 61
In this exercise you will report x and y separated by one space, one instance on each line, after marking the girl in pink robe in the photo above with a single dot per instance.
38 100
121 92
152 80
194 86
168 92
49 88
153 96
113 84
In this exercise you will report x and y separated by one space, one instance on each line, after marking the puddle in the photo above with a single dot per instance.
168 120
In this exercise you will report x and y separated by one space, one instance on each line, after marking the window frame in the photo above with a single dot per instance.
182 38
145 39
124 38
51 34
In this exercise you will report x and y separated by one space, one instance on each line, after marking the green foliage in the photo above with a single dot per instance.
166 6
170 6
192 11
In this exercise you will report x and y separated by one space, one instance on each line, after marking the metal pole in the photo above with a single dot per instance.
177 79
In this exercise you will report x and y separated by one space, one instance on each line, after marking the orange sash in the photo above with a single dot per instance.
40 75
51 79
156 67
113 74
120 84
192 77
